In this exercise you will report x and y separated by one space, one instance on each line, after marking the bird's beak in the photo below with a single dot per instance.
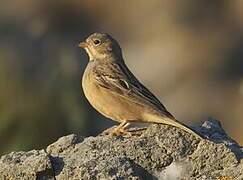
83 45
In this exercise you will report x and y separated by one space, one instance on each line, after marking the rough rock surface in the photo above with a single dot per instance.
161 152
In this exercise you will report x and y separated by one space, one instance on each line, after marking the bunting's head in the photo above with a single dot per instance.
101 46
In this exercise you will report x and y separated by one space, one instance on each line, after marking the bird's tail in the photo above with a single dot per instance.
152 118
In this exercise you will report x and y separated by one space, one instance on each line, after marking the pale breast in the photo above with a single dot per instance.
108 103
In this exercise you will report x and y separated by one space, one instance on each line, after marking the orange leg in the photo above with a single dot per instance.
122 129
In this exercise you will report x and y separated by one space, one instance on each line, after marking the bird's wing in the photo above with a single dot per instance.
119 79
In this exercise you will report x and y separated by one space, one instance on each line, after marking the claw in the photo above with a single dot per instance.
123 130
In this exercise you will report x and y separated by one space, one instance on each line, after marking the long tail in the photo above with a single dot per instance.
151 118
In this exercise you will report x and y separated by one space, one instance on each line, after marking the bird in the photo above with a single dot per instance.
113 90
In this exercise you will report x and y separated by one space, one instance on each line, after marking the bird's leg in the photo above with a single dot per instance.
134 130
121 129
116 130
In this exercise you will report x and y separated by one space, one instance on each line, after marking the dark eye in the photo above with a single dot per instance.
97 42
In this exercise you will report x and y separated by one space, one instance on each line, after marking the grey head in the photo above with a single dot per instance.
101 46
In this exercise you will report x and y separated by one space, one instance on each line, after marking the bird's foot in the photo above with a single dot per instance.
123 131
116 131
137 130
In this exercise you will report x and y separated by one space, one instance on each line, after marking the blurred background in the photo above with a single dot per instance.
189 53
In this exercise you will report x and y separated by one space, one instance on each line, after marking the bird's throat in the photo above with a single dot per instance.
91 57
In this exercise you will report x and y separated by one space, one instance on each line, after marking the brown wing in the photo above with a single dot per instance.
119 79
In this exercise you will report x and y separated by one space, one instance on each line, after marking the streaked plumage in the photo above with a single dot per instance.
115 92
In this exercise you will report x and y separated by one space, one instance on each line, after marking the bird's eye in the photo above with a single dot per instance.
97 42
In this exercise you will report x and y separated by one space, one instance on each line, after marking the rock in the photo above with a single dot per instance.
26 165
160 152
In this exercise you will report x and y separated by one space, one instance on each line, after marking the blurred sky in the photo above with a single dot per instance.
189 53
